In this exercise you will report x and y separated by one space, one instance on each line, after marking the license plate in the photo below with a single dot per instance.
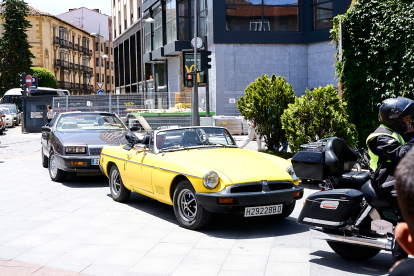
95 161
263 210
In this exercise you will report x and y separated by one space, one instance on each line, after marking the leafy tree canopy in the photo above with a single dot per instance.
264 101
378 57
318 113
45 78
15 55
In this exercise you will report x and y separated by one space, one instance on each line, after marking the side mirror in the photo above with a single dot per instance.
46 128
134 128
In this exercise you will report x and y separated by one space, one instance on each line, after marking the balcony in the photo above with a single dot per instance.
57 63
71 65
86 51
64 64
56 40
76 67
70 45
72 85
86 69
63 43
87 88
63 84
77 86
76 47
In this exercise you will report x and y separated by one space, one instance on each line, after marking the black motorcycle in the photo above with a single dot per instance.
347 213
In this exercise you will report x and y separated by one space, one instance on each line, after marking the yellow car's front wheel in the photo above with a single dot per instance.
118 191
188 212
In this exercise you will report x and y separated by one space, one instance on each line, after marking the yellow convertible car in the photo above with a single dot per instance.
200 170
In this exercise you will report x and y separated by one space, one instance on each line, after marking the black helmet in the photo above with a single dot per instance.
393 110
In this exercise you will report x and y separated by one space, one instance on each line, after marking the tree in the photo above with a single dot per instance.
264 101
15 55
45 78
377 57
319 112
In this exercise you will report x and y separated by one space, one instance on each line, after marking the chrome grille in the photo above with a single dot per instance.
261 187
95 151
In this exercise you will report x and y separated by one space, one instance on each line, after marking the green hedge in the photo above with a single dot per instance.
378 57
45 78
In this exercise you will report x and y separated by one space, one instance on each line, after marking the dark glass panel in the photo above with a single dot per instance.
243 18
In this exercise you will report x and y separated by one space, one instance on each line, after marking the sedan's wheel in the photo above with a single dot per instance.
1 131
45 160
55 173
287 210
118 191
188 212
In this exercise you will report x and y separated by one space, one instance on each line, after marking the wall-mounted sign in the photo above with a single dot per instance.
36 115
232 100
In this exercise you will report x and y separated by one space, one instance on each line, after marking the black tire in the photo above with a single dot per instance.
45 160
1 131
287 210
55 173
118 191
353 252
188 212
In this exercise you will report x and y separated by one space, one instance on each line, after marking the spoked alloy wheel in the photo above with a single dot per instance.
118 191
188 212
55 173
187 205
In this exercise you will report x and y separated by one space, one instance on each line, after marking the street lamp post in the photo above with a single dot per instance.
98 36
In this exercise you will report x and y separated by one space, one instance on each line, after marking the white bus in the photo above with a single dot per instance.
14 95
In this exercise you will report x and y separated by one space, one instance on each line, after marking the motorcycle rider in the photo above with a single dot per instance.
386 148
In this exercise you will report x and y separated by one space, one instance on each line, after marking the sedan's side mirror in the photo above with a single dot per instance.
46 128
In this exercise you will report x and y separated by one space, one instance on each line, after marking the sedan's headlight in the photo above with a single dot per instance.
75 150
292 173
211 180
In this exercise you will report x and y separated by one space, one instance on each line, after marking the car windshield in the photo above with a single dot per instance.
6 111
12 108
89 121
182 138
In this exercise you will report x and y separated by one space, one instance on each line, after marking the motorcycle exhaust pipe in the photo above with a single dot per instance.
383 244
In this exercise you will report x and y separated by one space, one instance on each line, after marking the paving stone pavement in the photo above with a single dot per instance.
75 228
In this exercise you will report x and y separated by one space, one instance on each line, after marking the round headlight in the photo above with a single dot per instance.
211 180
292 173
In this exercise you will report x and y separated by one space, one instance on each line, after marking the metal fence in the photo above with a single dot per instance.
160 109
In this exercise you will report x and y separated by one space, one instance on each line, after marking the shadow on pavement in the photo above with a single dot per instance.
379 265
74 181
228 226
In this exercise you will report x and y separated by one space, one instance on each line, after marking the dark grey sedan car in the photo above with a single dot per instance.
72 141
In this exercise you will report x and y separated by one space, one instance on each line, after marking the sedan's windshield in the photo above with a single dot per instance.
192 137
12 108
89 121
6 111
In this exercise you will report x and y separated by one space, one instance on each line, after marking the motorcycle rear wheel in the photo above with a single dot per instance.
353 252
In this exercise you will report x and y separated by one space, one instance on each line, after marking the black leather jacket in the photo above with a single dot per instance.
387 148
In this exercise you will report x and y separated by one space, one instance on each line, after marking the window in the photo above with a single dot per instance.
107 79
262 15
106 51
107 65
112 79
97 77
125 21
322 14
202 17
97 62
132 18
96 46
147 37
171 21
184 22
158 41
101 47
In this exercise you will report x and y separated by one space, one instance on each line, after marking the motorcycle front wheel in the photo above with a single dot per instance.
353 252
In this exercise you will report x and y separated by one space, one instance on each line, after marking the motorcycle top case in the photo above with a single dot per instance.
330 209
310 164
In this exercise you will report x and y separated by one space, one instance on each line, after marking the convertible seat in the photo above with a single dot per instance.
372 198
336 151
189 138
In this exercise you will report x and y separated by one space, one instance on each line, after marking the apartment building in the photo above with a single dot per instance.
64 49
94 22
289 38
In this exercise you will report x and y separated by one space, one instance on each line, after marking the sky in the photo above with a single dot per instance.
56 7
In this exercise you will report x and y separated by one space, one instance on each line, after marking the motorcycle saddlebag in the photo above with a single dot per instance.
310 164
330 209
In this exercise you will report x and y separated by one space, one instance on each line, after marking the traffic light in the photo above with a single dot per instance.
205 60
189 82
22 80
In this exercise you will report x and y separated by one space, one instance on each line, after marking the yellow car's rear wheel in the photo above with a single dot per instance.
118 191
188 212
